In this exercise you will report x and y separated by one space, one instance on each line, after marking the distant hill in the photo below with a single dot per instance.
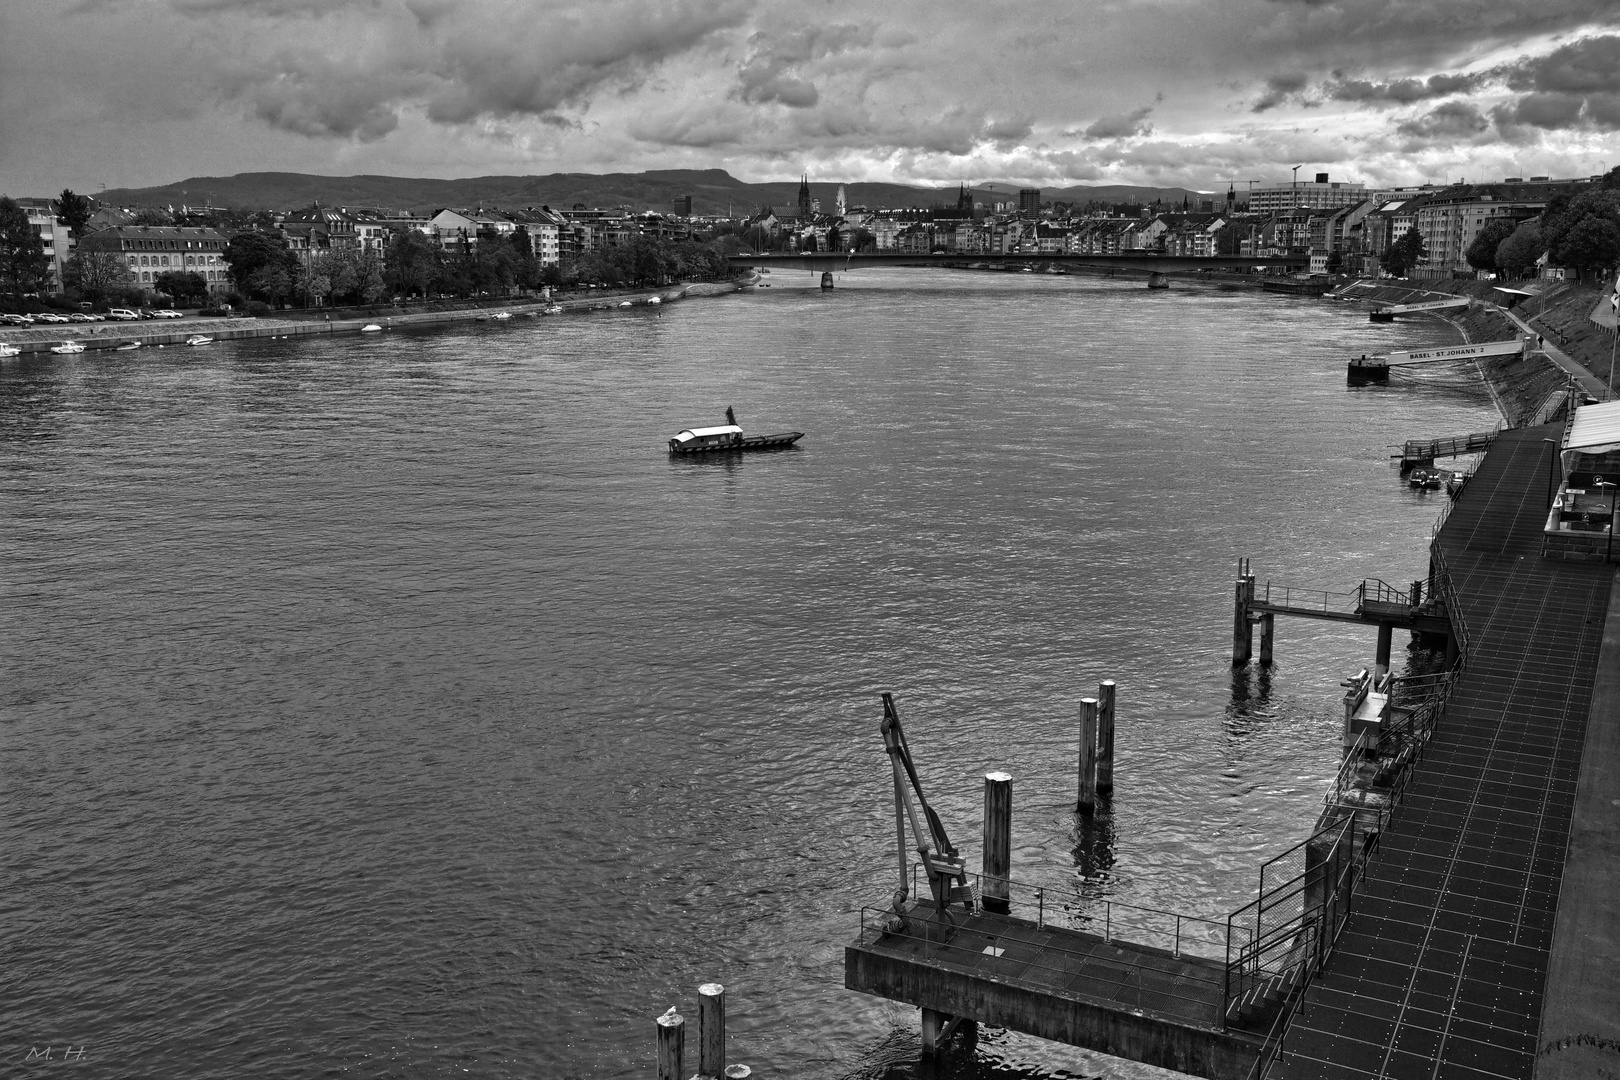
713 191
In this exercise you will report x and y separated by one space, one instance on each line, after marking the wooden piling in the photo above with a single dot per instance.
995 891
711 1030
671 1046
1105 737
1087 801
1268 629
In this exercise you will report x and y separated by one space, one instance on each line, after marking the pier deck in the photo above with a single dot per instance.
1130 1000
1443 965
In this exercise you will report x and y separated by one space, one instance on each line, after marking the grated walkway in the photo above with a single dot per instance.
1441 971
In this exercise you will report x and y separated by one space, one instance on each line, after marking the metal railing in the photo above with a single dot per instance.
1448 593
1379 591
1304 902
1323 600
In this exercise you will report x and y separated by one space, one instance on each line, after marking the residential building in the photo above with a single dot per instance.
53 236
1451 218
1029 201
154 249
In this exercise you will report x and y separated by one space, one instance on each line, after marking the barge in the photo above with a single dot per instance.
728 438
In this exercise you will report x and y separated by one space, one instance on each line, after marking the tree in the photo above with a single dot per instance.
1564 212
1405 253
272 281
1517 255
249 252
99 276
318 278
23 265
412 262
1481 253
189 288
153 215
74 210
1591 244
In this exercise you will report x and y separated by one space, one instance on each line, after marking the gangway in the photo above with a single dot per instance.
1376 368
1420 453
1387 314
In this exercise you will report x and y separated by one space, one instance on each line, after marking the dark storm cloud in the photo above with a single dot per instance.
1123 126
1451 122
1401 91
772 72
1577 85
1280 89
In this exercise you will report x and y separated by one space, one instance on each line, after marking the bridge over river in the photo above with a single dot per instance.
1140 262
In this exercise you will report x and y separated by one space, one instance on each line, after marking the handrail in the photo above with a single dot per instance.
1448 591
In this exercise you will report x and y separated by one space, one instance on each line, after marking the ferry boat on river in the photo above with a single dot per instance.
728 438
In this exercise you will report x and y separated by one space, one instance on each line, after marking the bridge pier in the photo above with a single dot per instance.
1157 280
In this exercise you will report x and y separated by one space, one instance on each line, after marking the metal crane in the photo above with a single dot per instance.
947 871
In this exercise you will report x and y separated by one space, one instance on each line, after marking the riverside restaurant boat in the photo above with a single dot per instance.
728 437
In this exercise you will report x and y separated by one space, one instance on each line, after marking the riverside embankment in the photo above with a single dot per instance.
1569 345
111 335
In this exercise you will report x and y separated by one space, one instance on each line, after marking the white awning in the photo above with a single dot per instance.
1596 430
705 432
1513 292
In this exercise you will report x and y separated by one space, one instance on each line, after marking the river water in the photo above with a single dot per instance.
397 707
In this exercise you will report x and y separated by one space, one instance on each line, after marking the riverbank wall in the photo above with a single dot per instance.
109 336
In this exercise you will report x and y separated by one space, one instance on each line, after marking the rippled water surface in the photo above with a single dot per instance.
396 706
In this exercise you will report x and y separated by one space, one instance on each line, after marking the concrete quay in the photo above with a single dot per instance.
1484 940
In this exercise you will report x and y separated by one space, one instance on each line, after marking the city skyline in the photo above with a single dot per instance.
133 93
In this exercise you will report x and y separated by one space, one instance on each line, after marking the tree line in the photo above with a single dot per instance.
1580 232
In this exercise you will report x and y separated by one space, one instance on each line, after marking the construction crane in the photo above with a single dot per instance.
947 871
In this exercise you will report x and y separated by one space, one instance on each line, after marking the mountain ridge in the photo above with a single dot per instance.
713 191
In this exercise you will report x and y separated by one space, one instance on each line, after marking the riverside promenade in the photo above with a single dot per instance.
1484 941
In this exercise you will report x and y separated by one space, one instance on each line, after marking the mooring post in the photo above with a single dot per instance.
1268 628
671 1046
738 1072
1386 631
994 889
1242 629
1088 755
711 1030
1105 737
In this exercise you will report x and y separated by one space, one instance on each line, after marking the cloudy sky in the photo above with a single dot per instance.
1191 92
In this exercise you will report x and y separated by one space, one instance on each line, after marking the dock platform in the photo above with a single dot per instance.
1130 1000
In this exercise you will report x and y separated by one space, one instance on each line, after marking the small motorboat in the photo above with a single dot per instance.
554 309
501 315
199 339
624 303
1426 479
371 328
67 347
656 300
9 350
128 345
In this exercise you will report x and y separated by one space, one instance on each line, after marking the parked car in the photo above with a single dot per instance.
16 320
50 317
123 314
165 313
78 316
146 313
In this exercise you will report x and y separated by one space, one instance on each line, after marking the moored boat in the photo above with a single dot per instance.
554 309
128 345
67 347
199 339
9 350
1429 479
371 328
727 438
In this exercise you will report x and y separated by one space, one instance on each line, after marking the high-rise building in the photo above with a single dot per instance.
683 205
1029 200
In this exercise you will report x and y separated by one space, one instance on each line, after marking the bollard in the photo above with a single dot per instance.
1088 755
711 1030
671 1046
995 891
1105 737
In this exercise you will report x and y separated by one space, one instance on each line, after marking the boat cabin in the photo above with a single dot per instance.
692 438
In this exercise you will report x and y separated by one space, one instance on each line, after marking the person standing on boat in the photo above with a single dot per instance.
731 418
